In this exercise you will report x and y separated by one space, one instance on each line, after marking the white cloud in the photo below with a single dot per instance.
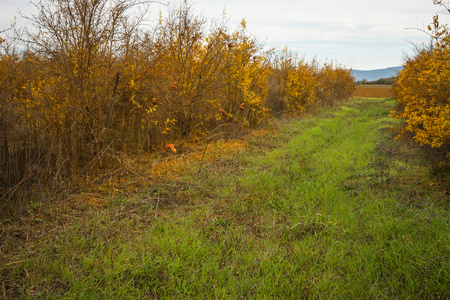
10 8
363 34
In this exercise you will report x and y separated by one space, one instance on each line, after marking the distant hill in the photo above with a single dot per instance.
373 75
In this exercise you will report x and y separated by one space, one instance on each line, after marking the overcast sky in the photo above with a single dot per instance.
358 34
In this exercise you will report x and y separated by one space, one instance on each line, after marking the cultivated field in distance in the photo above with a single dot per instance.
373 91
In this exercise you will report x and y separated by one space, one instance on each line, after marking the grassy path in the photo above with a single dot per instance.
328 207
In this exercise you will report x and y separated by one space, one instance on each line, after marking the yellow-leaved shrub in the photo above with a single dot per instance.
94 83
422 91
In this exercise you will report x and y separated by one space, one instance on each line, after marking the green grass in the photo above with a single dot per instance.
329 207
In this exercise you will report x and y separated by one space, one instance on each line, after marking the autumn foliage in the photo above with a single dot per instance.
297 85
88 81
422 91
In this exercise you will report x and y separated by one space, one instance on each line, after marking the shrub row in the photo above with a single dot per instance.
422 91
89 80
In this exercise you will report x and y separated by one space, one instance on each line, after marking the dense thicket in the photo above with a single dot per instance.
423 90
88 81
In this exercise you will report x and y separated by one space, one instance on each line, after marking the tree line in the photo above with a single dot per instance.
381 81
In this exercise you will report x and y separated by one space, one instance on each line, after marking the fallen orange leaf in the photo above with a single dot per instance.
171 147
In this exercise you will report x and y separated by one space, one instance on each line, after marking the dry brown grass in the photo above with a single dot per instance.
22 226
373 91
